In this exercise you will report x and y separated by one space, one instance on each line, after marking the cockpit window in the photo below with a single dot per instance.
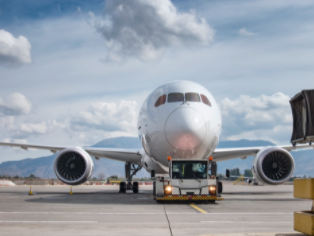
161 100
175 97
205 100
192 97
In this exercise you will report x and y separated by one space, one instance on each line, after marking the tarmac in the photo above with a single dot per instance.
101 210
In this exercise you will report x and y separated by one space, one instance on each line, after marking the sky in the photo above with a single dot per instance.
77 72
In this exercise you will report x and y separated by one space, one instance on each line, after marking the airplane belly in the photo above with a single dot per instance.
150 163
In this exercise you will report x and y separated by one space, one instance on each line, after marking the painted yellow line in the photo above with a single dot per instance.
252 234
197 208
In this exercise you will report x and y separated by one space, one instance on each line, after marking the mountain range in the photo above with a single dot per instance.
43 166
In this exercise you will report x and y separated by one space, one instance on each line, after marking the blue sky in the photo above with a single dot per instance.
65 65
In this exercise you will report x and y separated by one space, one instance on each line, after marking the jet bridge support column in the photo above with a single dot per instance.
304 220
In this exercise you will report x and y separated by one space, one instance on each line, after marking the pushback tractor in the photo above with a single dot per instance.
189 180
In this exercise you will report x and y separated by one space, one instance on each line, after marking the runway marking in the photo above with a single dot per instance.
199 209
75 222
148 213
251 222
8 197
251 234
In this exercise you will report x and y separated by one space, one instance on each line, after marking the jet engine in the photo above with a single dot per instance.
273 166
73 166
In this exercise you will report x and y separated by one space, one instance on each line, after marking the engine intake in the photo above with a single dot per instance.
273 165
73 166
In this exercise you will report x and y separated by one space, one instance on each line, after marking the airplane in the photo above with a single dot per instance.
180 120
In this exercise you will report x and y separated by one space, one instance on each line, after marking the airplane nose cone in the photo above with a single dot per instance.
185 129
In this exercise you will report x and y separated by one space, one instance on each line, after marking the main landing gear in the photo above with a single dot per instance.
130 171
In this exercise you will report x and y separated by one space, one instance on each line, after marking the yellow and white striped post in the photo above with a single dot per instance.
304 220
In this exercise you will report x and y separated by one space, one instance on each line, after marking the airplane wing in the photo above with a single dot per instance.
125 155
223 154
135 155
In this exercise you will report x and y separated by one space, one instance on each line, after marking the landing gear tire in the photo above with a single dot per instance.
219 187
122 187
135 187
211 201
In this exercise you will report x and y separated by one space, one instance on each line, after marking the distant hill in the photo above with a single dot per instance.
120 142
304 159
43 166
244 143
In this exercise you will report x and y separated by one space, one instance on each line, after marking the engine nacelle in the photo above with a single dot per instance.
273 166
73 166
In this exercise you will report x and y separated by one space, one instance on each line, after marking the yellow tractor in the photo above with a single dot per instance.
113 180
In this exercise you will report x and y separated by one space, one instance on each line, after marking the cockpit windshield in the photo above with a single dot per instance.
189 169
192 97
205 100
161 100
175 97
180 97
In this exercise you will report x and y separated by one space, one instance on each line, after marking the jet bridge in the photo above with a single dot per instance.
302 105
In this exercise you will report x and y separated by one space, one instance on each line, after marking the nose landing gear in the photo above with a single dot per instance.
130 170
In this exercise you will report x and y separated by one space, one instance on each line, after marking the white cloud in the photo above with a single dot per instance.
7 140
6 122
27 129
143 29
110 117
245 32
279 134
264 117
100 120
14 51
15 104
37 128
11 120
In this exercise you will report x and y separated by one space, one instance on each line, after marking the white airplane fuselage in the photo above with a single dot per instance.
181 120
